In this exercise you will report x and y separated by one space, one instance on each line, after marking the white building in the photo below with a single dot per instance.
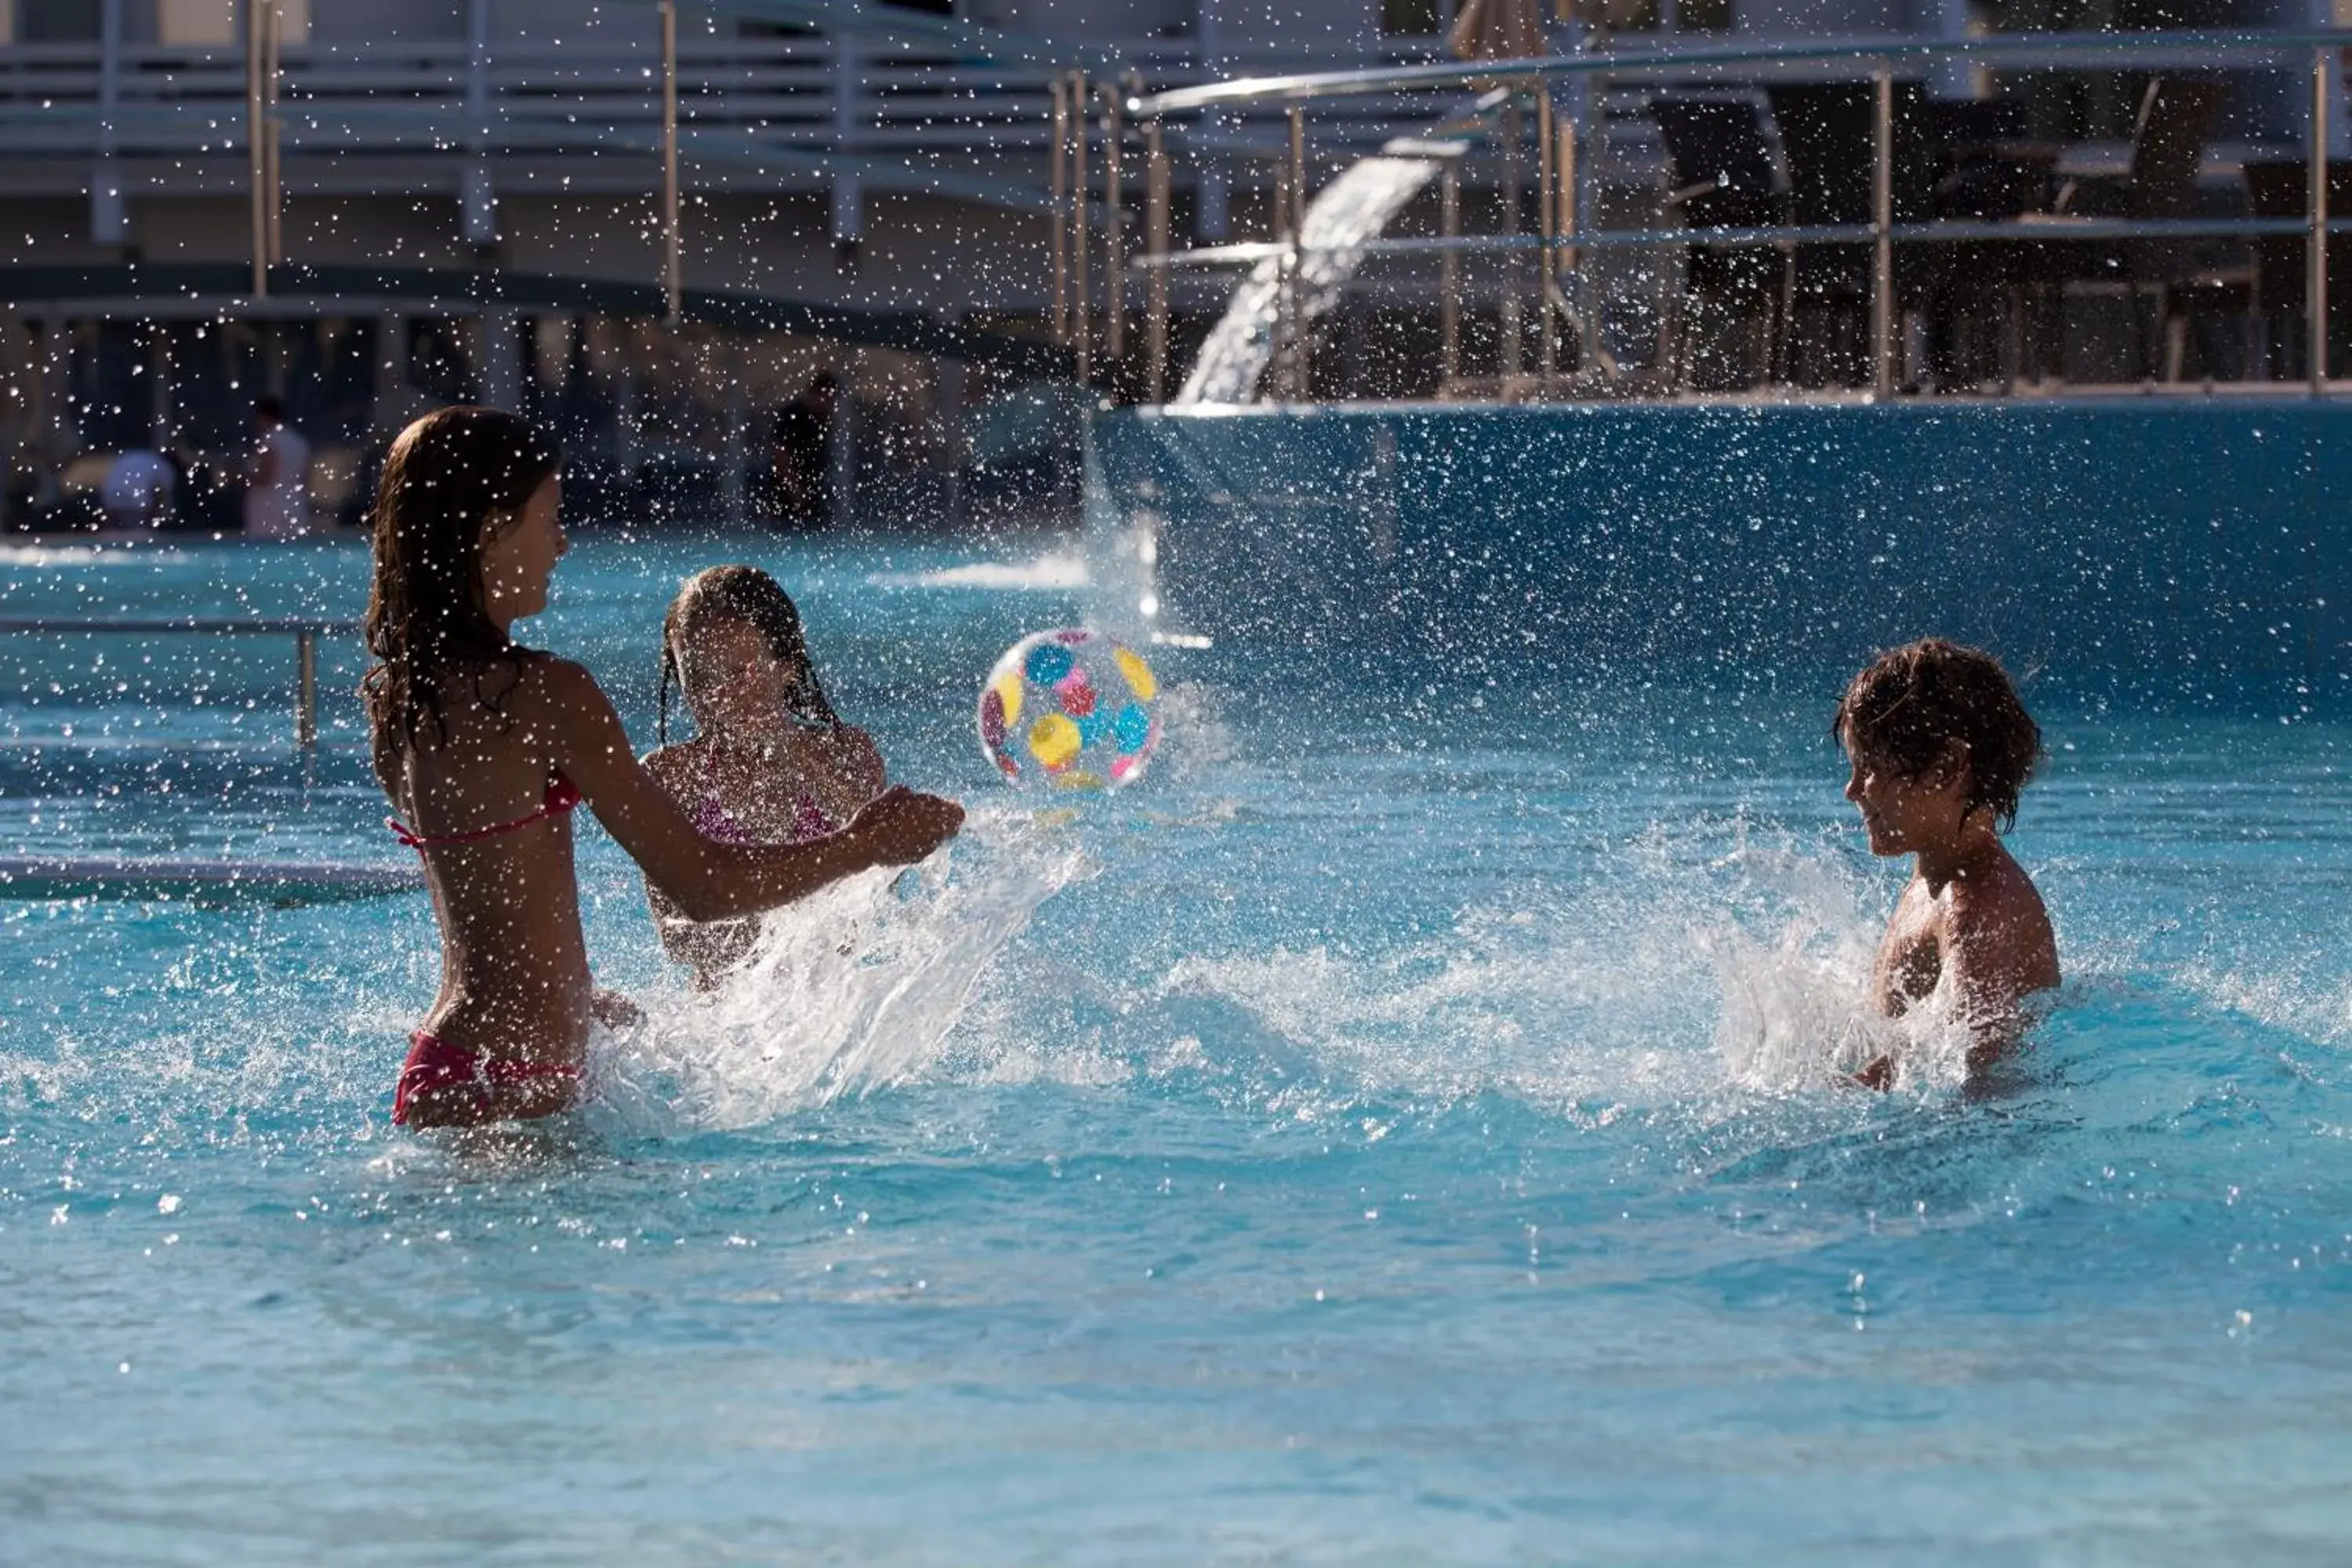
471 201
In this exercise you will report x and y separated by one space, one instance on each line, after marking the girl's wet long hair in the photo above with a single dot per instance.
748 594
448 475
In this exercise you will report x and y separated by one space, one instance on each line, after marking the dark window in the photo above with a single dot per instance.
1620 15
57 21
803 29
2122 15
1411 18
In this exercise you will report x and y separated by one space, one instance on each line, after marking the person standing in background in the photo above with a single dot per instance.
801 455
277 488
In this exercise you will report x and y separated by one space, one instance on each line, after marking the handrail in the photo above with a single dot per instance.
216 626
305 632
1562 240
1956 230
1639 62
915 30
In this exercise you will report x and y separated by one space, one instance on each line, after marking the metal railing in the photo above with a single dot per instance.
887 103
1562 176
304 633
809 94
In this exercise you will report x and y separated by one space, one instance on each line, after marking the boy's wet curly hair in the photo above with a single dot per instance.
1910 704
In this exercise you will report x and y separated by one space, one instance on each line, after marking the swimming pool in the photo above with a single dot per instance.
1394 1132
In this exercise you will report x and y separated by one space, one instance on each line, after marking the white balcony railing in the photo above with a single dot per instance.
795 97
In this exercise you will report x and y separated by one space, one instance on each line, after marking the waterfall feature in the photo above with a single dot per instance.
1351 209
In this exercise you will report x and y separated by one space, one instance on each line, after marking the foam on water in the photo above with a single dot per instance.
87 554
1660 981
1056 570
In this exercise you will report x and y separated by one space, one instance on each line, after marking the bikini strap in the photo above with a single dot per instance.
562 795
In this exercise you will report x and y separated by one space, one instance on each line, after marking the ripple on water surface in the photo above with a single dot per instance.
1402 1132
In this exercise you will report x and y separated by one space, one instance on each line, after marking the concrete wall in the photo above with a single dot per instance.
387 21
1085 19
2191 549
1831 19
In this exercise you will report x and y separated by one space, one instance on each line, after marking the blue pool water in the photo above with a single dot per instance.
1396 1131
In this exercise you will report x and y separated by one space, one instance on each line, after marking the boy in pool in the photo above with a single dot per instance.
1940 747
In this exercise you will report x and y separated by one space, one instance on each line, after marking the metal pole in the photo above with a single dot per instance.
46 369
1547 203
1114 234
1449 278
1567 272
1508 319
673 253
108 221
256 145
1299 371
306 688
272 71
1082 309
109 72
734 494
2315 276
1882 237
1155 237
1286 280
1061 161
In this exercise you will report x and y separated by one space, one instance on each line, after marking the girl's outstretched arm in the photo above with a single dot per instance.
706 879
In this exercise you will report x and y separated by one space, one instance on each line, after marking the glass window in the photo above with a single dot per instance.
1619 15
1411 18
56 22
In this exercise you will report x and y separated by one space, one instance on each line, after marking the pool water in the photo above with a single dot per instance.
1399 1130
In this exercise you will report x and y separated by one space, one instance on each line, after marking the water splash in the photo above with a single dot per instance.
1351 210
1679 974
853 988
1055 571
1793 1010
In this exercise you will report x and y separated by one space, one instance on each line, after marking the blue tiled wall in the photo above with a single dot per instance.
2195 547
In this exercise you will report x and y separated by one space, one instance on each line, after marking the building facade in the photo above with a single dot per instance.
471 203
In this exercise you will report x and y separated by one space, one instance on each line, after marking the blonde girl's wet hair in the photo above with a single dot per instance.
748 595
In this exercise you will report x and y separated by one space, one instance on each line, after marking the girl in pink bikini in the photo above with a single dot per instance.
770 763
485 747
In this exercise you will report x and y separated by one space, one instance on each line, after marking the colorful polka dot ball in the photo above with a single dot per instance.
1069 711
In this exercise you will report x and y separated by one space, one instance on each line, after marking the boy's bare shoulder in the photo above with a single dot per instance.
1997 892
1997 916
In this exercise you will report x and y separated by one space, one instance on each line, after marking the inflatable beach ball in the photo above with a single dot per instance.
1069 711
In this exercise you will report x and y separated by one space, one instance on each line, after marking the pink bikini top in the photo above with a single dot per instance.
562 795
713 820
